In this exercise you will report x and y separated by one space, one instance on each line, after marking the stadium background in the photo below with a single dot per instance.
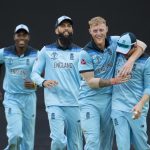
40 16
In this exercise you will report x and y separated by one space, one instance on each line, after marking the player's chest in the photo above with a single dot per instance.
100 59
26 62
62 59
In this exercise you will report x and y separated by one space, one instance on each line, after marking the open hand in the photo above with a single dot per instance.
126 69
120 79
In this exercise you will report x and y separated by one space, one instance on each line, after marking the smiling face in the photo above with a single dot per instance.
21 39
99 33
64 31
64 28
98 30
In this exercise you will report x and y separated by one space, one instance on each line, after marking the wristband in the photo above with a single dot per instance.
43 83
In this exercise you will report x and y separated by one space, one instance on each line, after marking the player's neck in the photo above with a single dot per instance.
63 45
20 50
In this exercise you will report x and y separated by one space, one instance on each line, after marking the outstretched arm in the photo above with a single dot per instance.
99 83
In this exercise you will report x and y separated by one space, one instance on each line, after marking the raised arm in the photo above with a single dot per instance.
127 68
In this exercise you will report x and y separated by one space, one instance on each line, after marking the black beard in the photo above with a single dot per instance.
65 40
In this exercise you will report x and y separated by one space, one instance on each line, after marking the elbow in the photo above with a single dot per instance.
32 76
142 45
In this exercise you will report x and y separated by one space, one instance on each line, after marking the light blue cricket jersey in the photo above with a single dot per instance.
102 63
17 69
62 66
127 95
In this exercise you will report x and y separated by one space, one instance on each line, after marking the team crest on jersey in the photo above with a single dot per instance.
96 59
10 61
27 62
54 56
83 62
71 56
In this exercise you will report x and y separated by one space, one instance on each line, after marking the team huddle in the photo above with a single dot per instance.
95 92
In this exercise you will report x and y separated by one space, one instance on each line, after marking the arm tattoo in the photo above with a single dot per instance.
104 83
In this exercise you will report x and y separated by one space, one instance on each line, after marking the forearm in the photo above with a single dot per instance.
98 82
137 53
141 44
37 78
144 99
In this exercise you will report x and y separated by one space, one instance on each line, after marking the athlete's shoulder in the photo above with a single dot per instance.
52 45
75 47
90 48
147 62
144 56
85 54
143 59
9 50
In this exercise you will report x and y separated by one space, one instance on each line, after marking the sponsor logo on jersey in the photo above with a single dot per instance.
104 68
96 59
63 65
83 62
54 56
19 72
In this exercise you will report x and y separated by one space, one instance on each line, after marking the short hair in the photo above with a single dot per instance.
96 20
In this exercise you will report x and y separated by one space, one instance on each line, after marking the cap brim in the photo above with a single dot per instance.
123 50
19 30
65 20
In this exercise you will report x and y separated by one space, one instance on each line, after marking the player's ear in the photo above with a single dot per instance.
56 31
90 30
106 29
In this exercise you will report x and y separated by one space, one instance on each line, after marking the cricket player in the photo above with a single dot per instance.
61 81
130 100
96 66
19 98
